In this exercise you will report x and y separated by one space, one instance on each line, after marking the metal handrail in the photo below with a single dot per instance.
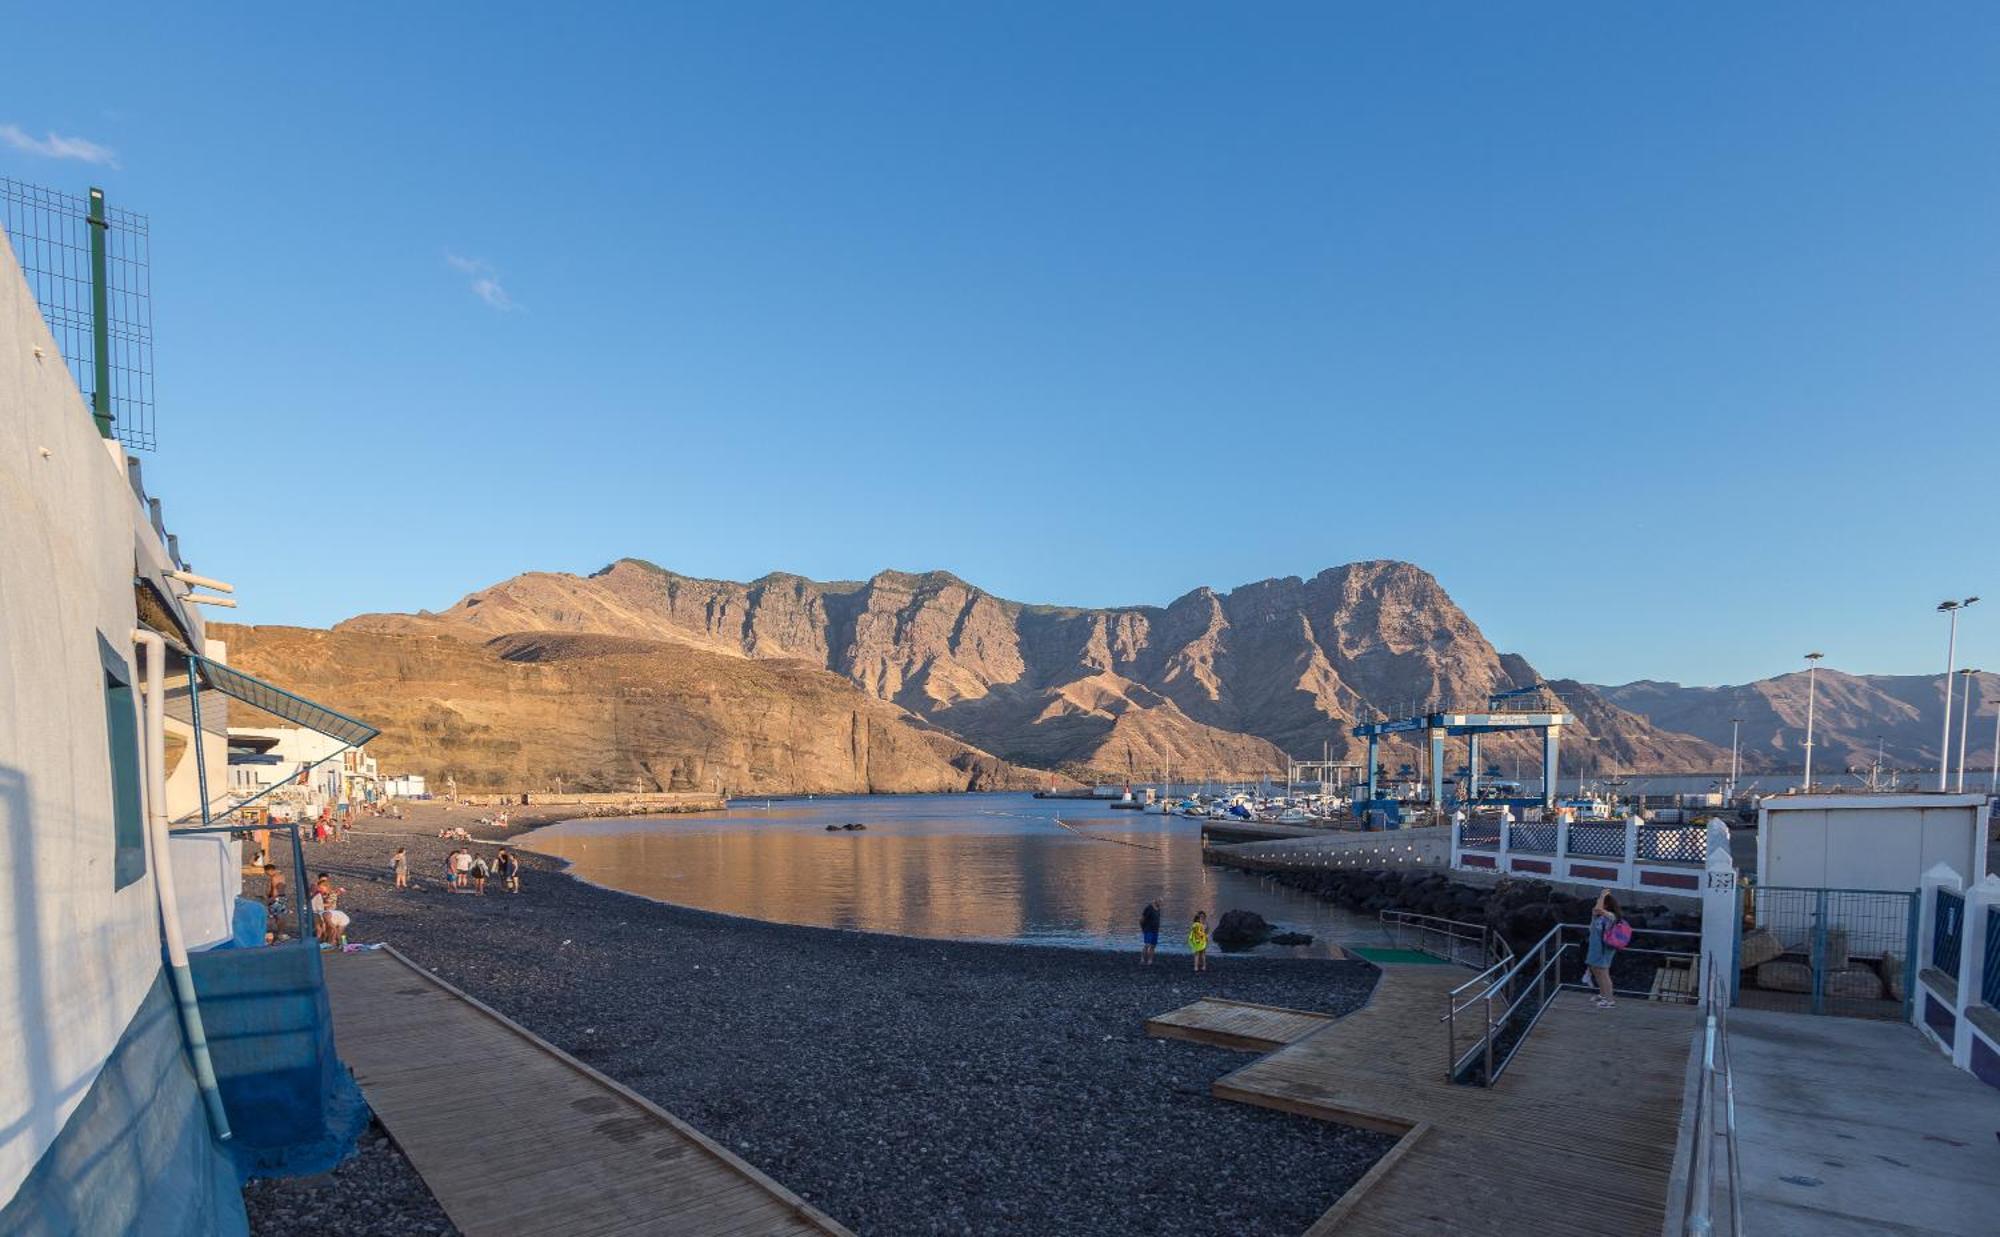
1699 1220
1549 950
1493 949
1513 985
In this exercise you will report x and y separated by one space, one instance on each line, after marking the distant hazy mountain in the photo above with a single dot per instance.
1906 712
1213 683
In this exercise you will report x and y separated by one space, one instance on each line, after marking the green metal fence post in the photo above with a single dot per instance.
100 317
1819 952
1910 956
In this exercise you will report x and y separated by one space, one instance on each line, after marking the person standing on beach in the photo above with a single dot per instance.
461 867
1149 931
399 868
510 871
479 874
1198 941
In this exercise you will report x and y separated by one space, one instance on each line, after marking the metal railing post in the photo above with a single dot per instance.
1489 1037
200 760
100 317
1450 1036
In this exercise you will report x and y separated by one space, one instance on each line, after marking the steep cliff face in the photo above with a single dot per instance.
1850 713
614 713
1216 682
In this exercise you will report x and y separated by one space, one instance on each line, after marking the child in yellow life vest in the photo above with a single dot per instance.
1198 940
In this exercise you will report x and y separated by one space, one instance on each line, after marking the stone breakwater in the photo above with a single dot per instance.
905 1086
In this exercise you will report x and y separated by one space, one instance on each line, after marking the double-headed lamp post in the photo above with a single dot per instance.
1812 668
1950 655
1964 723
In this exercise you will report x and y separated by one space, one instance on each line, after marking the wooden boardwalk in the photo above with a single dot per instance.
515 1136
1236 1024
1577 1138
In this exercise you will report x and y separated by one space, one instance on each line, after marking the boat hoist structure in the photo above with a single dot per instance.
1523 708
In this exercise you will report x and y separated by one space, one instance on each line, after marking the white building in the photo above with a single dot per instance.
311 770
405 786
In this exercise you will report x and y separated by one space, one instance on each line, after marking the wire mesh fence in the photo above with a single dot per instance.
50 232
1673 843
1597 841
1478 834
1536 839
1828 951
1989 985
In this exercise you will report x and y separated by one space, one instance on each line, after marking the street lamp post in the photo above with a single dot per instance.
1964 724
1735 728
1950 655
1812 668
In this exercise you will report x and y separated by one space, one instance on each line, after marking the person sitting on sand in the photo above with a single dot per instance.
1198 940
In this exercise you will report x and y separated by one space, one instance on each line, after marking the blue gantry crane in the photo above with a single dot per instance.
1534 707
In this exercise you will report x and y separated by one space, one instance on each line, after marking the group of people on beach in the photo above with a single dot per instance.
464 871
1149 934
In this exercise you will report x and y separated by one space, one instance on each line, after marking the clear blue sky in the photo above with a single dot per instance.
1667 337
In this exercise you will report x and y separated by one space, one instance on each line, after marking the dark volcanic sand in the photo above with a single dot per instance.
903 1086
374 1193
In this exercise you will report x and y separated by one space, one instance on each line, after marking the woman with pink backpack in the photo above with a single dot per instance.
1609 933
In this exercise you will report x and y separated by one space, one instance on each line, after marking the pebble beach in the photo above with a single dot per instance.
903 1086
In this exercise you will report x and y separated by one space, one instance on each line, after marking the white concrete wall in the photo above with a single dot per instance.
76 956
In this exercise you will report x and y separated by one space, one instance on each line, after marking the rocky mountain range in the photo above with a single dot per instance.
1851 712
645 677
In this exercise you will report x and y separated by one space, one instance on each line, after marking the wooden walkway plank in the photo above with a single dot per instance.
1578 1137
515 1136
1241 1025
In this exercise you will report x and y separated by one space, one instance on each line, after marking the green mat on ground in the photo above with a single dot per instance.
1380 954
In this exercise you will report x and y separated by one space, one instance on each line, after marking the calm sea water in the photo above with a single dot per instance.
967 867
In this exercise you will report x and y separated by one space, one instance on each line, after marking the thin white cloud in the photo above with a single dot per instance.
56 146
485 281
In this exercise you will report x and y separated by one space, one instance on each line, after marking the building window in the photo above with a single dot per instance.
128 819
